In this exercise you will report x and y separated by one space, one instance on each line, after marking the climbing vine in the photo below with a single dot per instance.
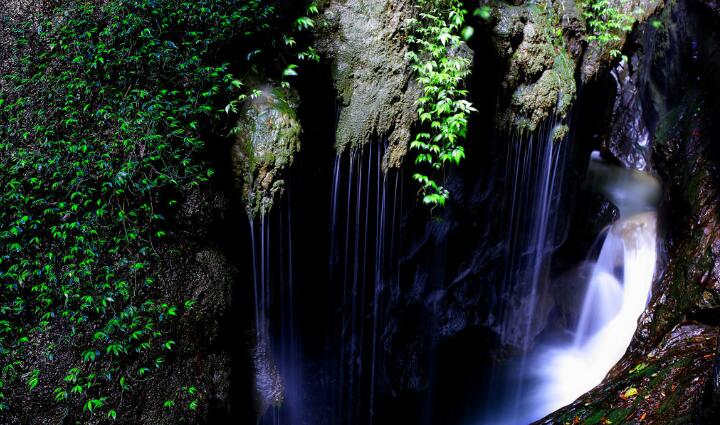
443 109
103 120
607 23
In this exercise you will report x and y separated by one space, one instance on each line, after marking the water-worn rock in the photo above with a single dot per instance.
664 386
539 77
366 42
269 390
267 139
629 139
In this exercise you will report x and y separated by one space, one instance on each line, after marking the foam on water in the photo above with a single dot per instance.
609 317
616 295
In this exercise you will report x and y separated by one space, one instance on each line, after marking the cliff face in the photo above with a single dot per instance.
532 64
669 373
366 44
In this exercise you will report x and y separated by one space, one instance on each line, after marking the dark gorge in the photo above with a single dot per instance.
344 212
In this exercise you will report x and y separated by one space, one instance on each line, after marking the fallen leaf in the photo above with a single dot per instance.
630 392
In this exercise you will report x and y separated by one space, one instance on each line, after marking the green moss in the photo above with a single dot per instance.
596 417
267 139
618 416
541 70
103 122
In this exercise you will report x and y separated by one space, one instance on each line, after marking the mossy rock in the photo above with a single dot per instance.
267 139
540 75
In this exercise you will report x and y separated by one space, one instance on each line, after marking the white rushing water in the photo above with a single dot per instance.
609 316
616 295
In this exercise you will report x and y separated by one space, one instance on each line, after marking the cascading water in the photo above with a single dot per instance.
535 166
616 295
535 172
277 353
364 213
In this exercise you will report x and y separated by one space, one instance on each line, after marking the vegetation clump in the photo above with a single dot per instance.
607 22
443 109
103 121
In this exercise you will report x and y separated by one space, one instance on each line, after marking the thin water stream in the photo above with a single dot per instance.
364 226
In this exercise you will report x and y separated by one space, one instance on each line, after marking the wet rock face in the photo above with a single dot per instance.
540 66
365 40
268 386
686 159
713 6
267 138
690 283
665 386
629 139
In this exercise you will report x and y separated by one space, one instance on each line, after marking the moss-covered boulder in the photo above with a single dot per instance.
267 138
366 43
540 70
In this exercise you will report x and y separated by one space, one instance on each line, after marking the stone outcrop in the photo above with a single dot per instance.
548 56
366 43
267 137
539 76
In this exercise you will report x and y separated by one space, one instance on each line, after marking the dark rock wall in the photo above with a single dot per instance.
438 340
674 352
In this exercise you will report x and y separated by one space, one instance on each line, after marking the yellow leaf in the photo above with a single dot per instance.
630 392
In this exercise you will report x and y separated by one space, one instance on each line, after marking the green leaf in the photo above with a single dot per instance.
467 33
89 355
290 71
484 12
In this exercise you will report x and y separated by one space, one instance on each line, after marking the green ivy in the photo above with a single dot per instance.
607 23
103 121
443 109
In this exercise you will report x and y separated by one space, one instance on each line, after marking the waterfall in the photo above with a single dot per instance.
616 295
535 168
364 207
535 171
277 353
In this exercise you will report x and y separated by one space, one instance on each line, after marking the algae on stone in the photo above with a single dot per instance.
540 76
267 139
365 41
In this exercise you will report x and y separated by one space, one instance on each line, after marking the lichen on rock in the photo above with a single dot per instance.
540 75
267 139
365 41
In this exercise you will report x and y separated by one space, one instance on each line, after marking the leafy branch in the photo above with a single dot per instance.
607 23
442 109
